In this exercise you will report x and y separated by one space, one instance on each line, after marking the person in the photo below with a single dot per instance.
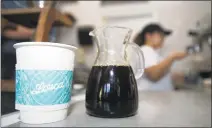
11 33
157 68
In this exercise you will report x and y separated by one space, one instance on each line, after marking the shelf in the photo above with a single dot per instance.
29 17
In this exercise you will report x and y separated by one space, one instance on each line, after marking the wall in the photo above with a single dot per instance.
176 15
86 13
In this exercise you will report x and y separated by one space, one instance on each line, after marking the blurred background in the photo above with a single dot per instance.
190 22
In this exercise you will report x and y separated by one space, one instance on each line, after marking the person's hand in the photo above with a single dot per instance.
20 32
178 55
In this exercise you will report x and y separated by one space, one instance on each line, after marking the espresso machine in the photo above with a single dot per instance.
200 49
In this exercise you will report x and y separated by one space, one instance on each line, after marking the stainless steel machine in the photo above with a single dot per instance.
200 50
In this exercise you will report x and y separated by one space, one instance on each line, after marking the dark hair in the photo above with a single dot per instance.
140 38
150 28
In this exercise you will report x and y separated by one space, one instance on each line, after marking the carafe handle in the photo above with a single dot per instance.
135 58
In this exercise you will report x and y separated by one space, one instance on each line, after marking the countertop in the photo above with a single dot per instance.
177 108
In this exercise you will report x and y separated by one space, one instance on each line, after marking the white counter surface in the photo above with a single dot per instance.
180 108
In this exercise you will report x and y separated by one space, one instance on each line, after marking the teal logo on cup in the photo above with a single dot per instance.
43 87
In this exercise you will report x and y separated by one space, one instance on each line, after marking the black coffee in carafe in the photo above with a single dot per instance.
111 88
111 92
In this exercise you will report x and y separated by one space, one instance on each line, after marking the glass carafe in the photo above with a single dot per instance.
111 88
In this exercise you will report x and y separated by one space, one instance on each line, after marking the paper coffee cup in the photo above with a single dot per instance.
44 74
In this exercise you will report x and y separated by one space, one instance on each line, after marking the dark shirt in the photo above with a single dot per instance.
8 56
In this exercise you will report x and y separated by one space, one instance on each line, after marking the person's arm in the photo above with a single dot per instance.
21 32
156 72
15 31
5 24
